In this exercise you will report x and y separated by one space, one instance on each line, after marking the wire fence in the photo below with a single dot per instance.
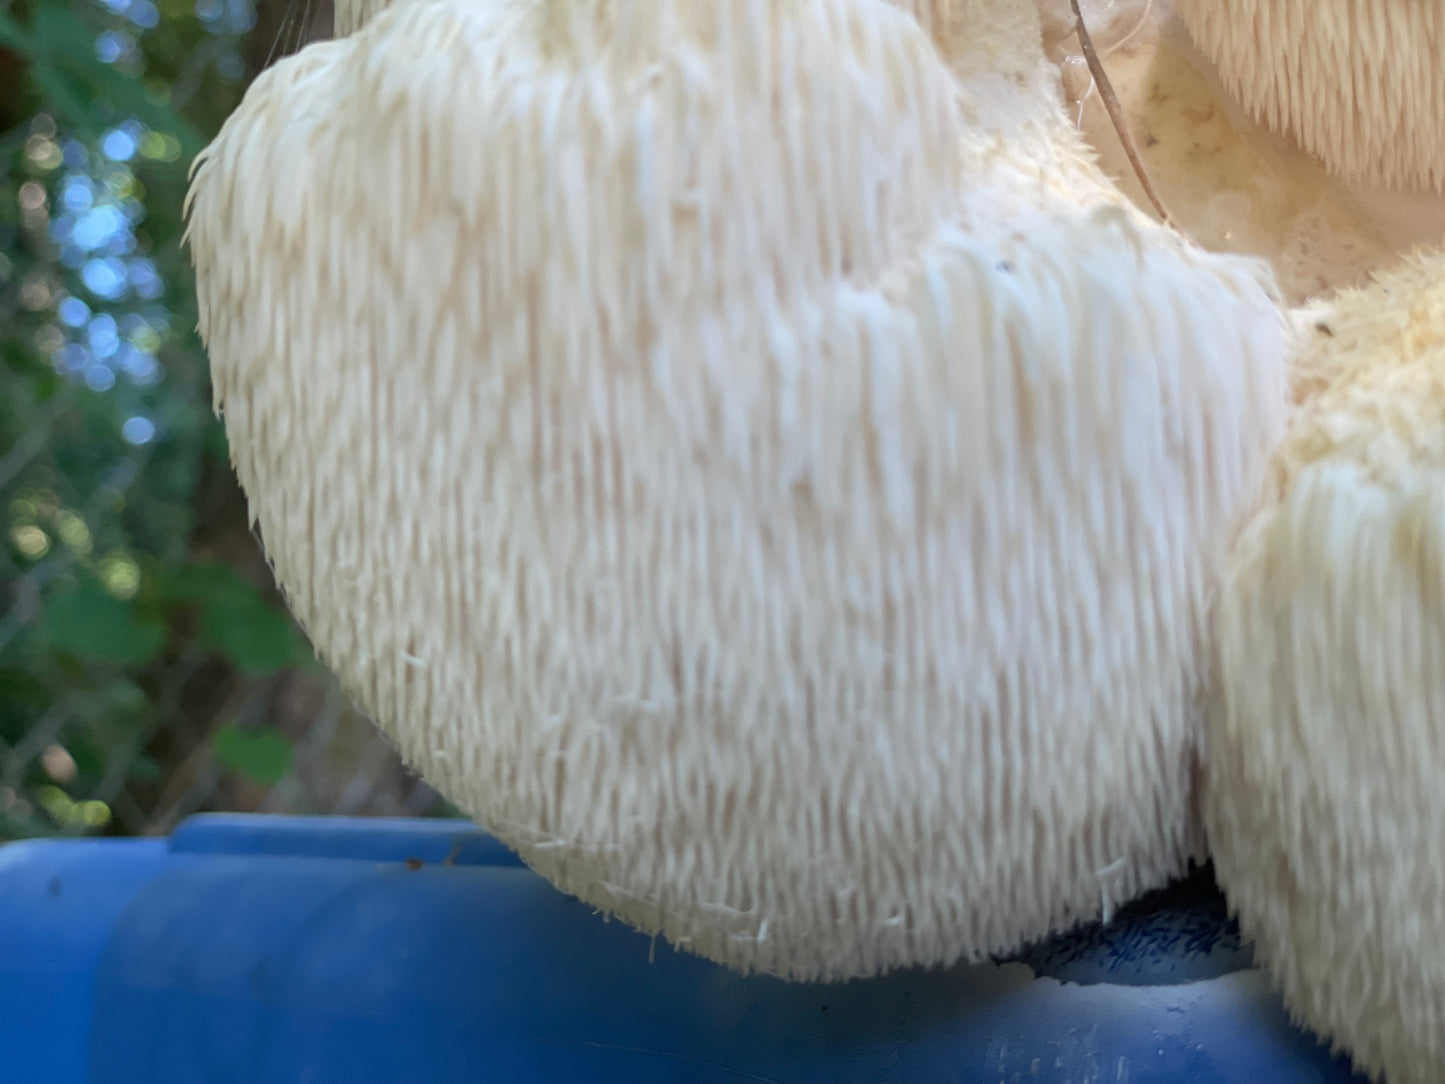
147 667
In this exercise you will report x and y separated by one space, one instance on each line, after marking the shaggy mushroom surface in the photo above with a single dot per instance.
746 454
1324 752
1326 808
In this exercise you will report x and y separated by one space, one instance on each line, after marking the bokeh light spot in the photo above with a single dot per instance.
138 430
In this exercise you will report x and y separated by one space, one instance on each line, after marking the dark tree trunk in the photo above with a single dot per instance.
284 27
17 98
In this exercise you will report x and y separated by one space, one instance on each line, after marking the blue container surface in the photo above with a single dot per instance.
271 950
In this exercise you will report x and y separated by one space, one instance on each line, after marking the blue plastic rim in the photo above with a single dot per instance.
273 950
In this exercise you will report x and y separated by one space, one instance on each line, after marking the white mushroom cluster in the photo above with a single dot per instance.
1325 804
751 457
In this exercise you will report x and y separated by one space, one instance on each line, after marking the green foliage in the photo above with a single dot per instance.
262 755
83 94
112 612
89 623
237 621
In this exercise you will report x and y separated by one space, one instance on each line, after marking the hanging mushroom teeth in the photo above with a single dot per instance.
1360 83
748 458
1326 752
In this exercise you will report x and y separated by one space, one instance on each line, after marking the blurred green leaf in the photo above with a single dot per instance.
63 93
216 444
94 625
82 92
199 583
145 769
262 755
122 696
258 640
237 620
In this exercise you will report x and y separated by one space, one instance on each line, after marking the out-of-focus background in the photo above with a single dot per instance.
148 669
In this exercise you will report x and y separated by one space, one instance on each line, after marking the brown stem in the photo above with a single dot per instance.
1116 114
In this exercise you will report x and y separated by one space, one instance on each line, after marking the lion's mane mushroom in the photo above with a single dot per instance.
1326 755
1360 83
745 455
